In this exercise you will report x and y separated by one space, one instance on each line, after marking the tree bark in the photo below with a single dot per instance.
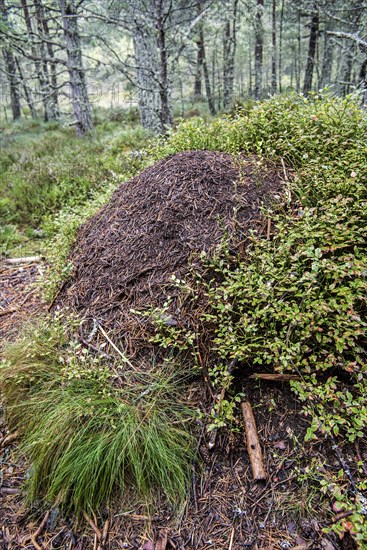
166 115
26 89
280 52
274 49
11 71
208 88
78 84
229 51
311 55
43 31
146 82
259 47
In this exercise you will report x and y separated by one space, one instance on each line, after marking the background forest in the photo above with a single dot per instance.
64 58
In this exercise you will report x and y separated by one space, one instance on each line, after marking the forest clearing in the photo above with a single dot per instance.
183 277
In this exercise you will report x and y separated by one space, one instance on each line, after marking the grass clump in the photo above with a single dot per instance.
92 433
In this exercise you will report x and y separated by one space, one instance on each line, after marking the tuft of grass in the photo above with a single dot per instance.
91 435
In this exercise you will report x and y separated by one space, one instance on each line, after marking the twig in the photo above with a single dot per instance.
105 531
57 295
7 312
268 229
284 170
122 355
9 438
275 377
253 443
39 531
24 260
93 525
231 540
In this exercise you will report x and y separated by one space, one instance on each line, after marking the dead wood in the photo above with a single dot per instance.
253 443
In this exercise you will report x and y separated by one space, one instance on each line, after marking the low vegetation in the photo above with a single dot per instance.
296 304
92 433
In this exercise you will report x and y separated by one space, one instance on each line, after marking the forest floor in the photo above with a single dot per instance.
225 509
312 496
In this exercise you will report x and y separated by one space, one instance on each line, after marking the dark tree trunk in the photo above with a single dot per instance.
208 88
311 55
259 47
13 81
274 49
280 54
229 51
11 71
78 85
198 71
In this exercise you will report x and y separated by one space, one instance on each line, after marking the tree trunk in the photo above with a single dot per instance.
43 31
280 54
198 71
26 90
44 88
13 81
11 71
146 81
166 115
311 55
208 89
351 49
259 46
78 85
274 49
229 51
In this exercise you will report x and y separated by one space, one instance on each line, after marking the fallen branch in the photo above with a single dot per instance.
275 377
93 526
24 260
253 443
7 312
39 531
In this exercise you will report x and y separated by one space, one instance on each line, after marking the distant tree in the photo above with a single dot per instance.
311 53
259 48
10 67
78 84
229 50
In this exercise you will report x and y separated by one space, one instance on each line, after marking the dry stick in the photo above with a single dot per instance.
122 355
253 443
231 540
268 229
213 435
39 531
284 170
275 377
57 295
7 312
93 525
161 543
105 531
9 438
25 260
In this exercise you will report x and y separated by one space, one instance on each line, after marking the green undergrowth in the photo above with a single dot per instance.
296 303
45 169
93 431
